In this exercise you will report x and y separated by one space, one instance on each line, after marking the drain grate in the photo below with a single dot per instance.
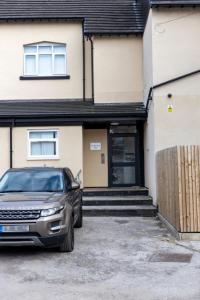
122 221
171 257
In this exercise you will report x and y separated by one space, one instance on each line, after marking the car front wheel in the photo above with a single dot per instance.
68 243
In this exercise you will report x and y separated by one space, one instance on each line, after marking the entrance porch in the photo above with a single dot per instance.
113 155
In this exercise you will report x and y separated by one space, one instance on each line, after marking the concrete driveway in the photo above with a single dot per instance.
114 258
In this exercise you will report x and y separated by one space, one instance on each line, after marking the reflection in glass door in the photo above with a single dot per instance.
123 156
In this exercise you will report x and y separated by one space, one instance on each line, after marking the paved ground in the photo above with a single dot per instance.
114 258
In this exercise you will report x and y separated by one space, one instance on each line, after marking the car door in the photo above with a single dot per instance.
68 188
75 195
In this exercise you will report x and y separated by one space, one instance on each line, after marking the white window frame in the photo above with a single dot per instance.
53 54
42 157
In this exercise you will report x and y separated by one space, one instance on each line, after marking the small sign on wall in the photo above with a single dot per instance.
95 146
170 108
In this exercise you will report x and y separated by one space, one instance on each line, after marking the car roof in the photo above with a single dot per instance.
36 169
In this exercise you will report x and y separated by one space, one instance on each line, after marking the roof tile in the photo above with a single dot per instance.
101 16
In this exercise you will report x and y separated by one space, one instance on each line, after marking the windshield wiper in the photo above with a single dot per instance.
53 191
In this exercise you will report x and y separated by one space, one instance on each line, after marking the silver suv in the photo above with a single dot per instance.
41 207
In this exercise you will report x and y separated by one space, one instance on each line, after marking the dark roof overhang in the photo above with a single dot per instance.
115 31
174 3
66 112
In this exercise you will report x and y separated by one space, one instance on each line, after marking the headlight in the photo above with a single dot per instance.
51 211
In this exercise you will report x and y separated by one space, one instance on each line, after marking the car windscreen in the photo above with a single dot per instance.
32 181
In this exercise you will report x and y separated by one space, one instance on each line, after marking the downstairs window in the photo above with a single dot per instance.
43 144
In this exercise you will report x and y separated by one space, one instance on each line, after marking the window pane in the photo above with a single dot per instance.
123 129
30 49
43 148
43 135
59 64
123 149
45 49
60 49
45 64
30 64
124 175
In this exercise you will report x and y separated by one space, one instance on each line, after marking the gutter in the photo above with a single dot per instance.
11 143
92 65
83 45
173 5
150 98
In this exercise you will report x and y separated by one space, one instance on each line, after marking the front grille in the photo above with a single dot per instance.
19 214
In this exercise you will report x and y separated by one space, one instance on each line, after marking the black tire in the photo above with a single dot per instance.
79 222
68 243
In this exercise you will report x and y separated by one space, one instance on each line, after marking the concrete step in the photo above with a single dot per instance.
122 211
130 191
117 200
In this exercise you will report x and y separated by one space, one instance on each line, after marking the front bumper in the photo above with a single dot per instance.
31 239
44 232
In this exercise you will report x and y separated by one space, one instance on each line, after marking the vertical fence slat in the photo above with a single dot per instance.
183 212
187 188
198 185
194 194
191 214
180 189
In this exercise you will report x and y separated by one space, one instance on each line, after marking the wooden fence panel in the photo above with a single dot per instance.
168 192
178 186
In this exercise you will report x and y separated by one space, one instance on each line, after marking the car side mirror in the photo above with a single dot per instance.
75 186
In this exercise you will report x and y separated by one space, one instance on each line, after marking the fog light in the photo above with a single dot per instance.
55 226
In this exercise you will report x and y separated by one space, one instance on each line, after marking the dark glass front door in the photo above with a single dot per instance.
123 149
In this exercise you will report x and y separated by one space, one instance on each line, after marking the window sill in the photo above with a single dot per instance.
43 158
44 77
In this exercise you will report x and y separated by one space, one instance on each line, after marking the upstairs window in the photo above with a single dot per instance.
45 59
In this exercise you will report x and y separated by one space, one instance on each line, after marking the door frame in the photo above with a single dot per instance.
139 162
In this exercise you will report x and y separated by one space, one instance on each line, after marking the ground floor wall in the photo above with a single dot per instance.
70 145
110 156
166 129
4 150
149 154
180 127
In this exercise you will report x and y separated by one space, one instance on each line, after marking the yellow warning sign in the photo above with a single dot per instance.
170 108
